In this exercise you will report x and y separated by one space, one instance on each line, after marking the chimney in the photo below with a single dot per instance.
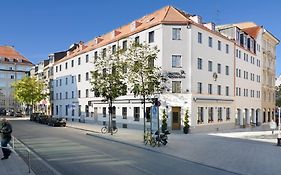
134 25
210 26
197 19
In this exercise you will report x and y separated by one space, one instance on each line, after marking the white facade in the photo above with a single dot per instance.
208 75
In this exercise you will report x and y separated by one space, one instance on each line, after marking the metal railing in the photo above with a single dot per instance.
33 161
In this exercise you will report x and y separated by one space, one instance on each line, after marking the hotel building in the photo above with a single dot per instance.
216 73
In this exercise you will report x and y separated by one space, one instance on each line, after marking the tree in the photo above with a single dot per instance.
108 78
29 90
164 121
278 96
144 76
186 122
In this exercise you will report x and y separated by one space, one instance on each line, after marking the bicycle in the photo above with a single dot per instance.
148 138
105 129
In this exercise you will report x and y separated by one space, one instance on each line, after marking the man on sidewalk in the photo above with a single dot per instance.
272 125
6 130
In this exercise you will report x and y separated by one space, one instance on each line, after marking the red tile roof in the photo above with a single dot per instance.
10 52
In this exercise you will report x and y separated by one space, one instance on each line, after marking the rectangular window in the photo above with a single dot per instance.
227 48
210 66
66 95
227 113
72 111
176 34
87 93
136 113
176 61
60 67
219 113
87 76
57 110
200 115
79 77
57 96
113 48
124 112
56 68
66 81
137 40
104 112
226 70
95 56
66 110
176 86
219 45
72 94
60 82
199 37
72 63
227 91
151 37
219 89
210 88
124 45
79 93
148 114
210 42
60 95
79 110
87 58
199 88
66 65
219 68
199 63
210 114
72 79
79 61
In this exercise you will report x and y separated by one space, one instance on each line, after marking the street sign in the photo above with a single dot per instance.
154 118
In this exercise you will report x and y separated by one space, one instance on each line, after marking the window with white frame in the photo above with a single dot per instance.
176 61
87 58
151 37
176 33
227 90
219 89
199 37
226 48
219 68
210 66
210 41
219 113
199 88
210 114
219 45
210 88
124 112
72 63
136 113
200 115
227 113
176 86
199 63
226 70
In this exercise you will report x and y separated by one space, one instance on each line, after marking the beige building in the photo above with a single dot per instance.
13 67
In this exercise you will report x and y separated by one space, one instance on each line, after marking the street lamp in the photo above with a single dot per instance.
279 135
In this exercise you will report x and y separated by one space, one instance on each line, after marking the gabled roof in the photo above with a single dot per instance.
10 52
166 15
253 31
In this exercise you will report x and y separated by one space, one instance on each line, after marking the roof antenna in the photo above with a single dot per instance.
217 15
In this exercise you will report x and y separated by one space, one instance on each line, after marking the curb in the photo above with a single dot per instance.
83 129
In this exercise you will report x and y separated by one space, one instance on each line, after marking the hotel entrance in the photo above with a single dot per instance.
176 118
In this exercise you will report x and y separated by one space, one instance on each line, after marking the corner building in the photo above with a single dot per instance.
198 59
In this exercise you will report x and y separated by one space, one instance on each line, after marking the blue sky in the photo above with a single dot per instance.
38 28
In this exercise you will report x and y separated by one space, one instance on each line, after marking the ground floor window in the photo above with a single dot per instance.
210 114
227 113
66 110
104 112
200 115
136 114
219 114
124 112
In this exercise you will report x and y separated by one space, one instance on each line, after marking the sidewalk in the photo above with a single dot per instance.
257 155
14 166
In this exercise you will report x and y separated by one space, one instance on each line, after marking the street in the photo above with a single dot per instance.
71 151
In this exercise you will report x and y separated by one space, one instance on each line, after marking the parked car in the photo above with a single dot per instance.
18 114
2 111
35 116
54 121
43 119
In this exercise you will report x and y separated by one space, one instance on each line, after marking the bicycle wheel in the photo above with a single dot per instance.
103 130
153 142
114 130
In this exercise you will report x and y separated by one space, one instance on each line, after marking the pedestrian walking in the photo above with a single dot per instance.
272 125
6 130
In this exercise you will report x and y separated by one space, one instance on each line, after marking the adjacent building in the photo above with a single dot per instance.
218 73
13 67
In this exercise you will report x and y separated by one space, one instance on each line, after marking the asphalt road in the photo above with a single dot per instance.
72 152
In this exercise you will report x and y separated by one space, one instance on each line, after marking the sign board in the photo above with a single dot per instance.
154 118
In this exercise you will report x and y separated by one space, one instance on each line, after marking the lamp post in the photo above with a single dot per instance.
279 135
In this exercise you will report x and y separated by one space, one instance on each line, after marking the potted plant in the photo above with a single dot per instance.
186 122
164 121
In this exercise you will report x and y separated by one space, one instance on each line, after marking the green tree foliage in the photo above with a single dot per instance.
107 76
164 121
29 90
278 96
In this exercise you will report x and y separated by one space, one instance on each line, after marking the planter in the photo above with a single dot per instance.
186 130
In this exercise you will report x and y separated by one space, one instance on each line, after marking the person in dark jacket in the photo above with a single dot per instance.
6 130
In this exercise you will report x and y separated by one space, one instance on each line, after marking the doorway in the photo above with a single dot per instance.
176 118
